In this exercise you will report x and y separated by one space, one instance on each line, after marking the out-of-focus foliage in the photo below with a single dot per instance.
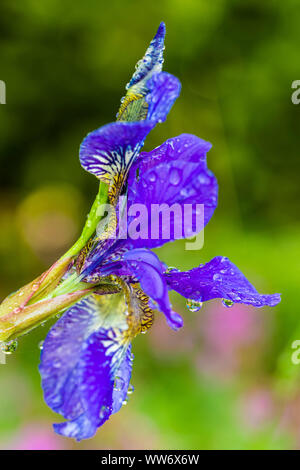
65 65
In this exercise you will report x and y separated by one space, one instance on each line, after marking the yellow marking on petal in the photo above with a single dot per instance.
83 254
133 107
116 185
140 316
147 314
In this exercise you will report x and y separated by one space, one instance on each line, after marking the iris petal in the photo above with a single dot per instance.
79 428
152 60
178 200
219 278
104 358
69 372
147 268
185 147
122 381
100 362
108 152
62 347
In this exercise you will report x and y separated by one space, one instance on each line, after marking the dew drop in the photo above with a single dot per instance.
124 402
41 345
172 269
130 389
103 412
9 347
174 176
217 277
227 303
193 305
119 384
138 64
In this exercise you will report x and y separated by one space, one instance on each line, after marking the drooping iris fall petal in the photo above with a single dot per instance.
219 278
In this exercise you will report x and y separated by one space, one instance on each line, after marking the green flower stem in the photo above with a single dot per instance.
92 221
20 321
71 284
58 269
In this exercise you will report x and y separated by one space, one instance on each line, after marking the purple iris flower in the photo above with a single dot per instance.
86 360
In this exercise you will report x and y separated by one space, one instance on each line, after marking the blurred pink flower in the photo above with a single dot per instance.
257 407
290 417
36 436
231 339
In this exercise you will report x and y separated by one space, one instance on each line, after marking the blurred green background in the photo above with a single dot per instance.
226 381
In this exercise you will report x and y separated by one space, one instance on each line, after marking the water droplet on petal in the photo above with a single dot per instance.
9 347
152 177
124 402
174 176
119 384
193 305
41 345
172 269
130 389
103 411
139 62
227 303
203 179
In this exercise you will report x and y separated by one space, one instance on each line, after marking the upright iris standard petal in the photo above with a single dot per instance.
110 150
164 89
219 278
185 147
178 196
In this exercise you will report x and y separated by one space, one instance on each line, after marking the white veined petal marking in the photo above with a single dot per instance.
112 163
